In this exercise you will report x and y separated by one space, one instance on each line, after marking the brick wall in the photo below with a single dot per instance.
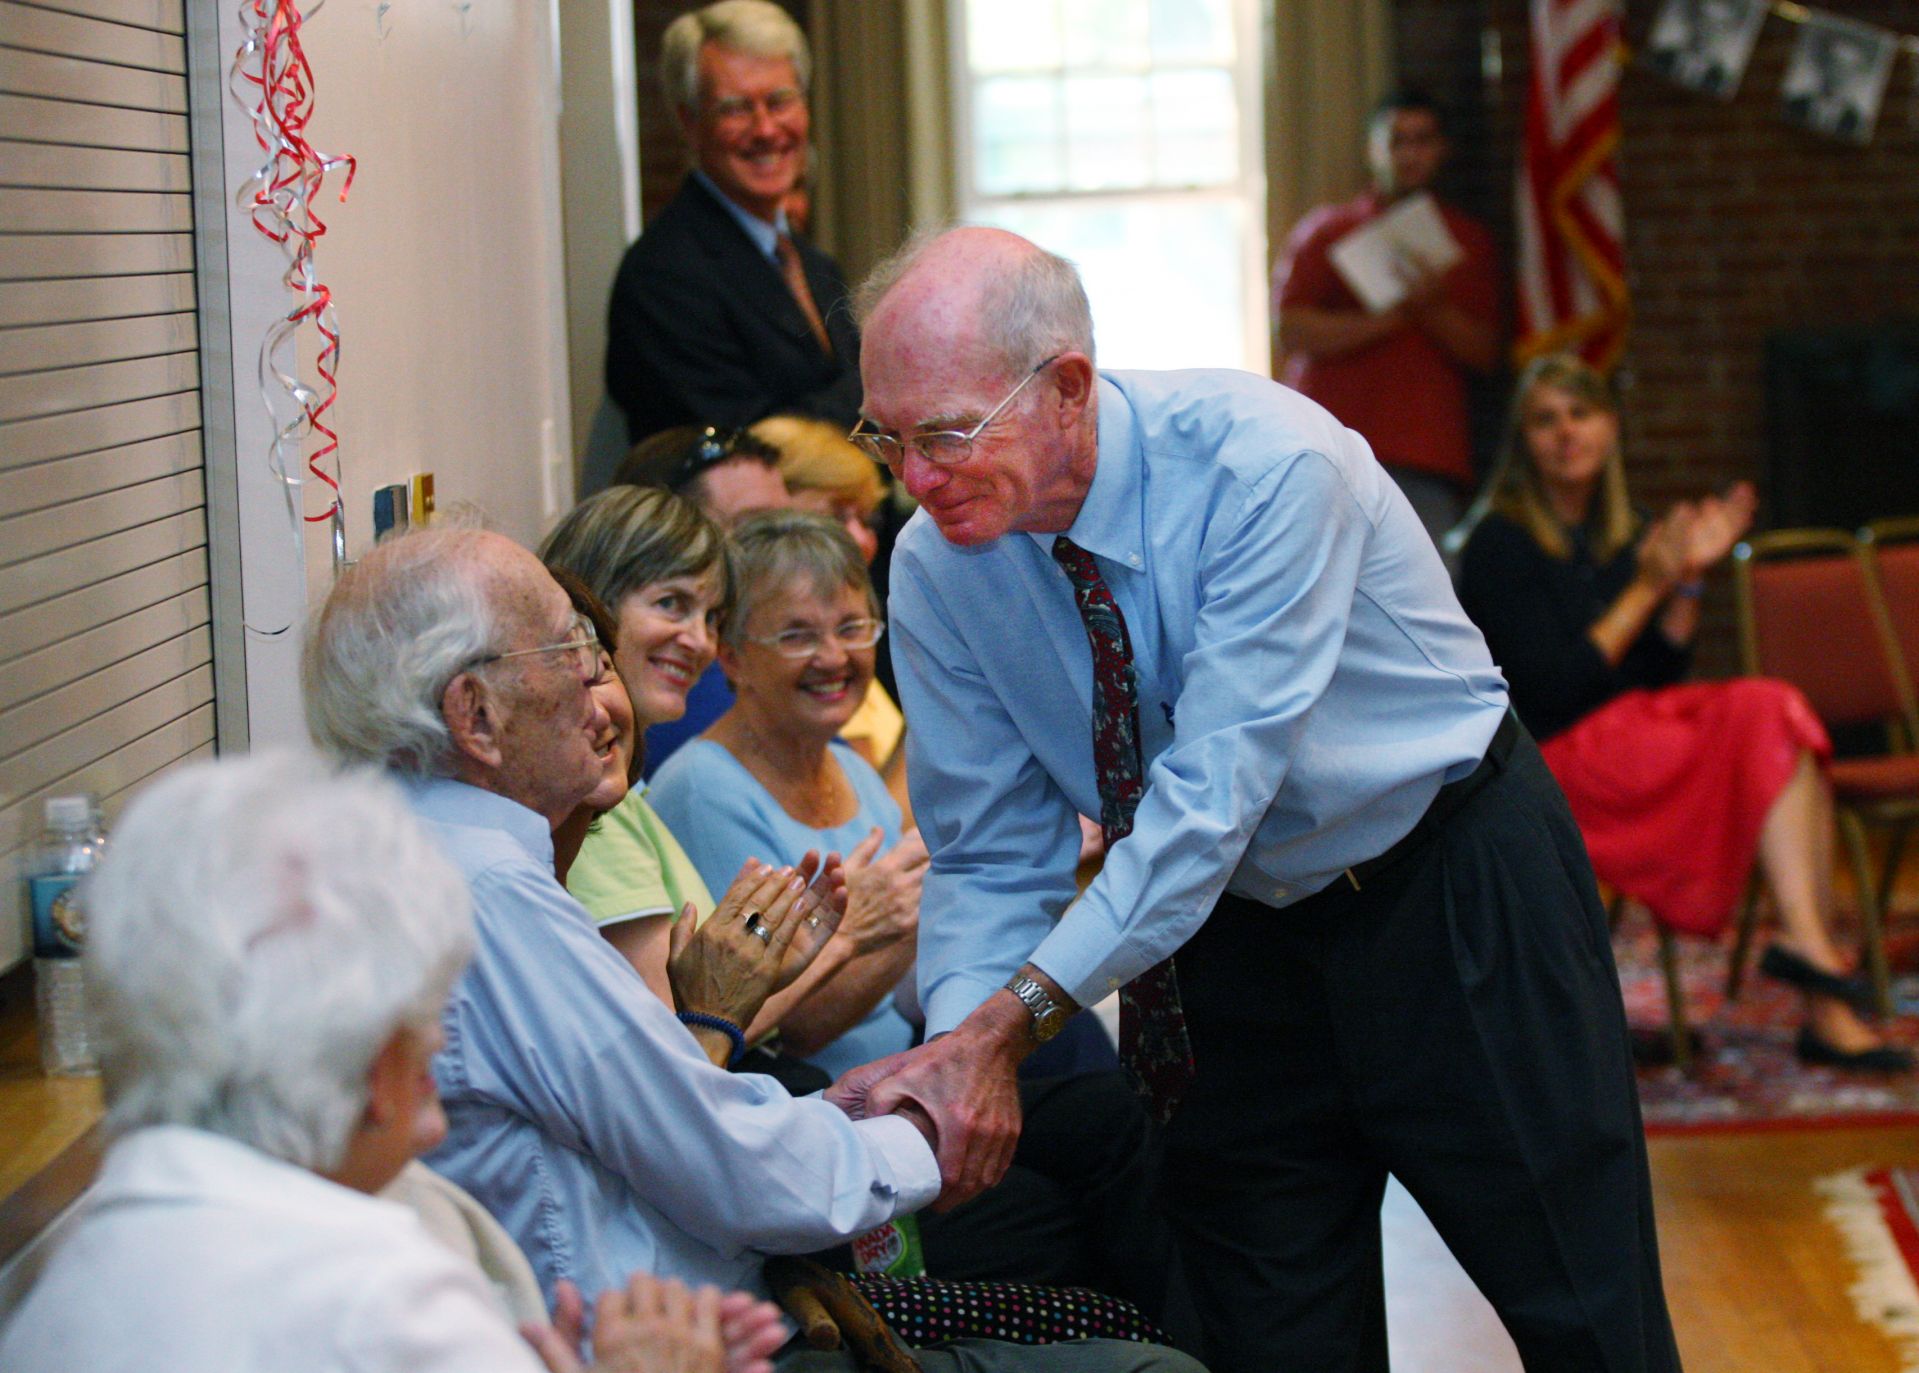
1738 226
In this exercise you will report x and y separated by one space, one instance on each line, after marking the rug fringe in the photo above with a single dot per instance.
1886 1295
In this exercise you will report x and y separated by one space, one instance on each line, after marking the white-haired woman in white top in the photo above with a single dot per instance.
269 947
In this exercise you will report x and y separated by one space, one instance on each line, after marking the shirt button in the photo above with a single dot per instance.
1112 984
1281 893
1133 558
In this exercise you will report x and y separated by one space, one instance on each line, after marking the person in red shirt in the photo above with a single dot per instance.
1399 376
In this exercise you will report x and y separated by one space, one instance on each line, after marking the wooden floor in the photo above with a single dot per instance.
1755 1274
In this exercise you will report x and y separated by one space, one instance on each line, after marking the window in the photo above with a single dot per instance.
1125 135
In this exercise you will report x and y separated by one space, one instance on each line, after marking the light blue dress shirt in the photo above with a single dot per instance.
764 236
588 1121
1307 682
722 816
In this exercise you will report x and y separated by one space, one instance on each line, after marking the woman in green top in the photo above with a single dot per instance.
662 570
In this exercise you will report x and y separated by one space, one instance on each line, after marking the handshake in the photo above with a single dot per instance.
960 1090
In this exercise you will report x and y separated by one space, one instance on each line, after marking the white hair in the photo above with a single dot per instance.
258 930
758 28
398 626
1034 309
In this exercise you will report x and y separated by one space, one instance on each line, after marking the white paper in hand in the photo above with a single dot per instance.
1381 259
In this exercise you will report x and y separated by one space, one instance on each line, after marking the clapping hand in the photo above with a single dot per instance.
883 892
1718 522
745 951
660 1326
1664 547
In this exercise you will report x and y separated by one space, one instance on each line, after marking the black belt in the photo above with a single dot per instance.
1451 797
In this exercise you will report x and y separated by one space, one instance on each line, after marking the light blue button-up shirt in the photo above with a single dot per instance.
586 1118
1307 682
764 236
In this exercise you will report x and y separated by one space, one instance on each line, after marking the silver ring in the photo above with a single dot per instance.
758 928
813 920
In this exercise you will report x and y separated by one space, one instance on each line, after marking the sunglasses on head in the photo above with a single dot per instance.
715 446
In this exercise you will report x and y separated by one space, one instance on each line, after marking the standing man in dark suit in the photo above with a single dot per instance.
720 315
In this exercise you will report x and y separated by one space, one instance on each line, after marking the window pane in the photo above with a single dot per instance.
1185 309
1106 33
1016 135
1012 35
1107 142
1196 128
1193 31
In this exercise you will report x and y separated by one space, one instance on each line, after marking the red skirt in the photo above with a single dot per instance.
1671 787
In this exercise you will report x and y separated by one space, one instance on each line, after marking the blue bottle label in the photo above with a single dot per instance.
58 927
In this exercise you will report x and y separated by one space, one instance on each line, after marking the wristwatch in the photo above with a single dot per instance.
1049 1017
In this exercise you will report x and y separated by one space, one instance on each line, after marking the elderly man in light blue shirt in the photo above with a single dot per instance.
1194 601
581 1112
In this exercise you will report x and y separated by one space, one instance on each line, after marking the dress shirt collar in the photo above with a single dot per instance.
456 803
175 1163
766 237
1111 520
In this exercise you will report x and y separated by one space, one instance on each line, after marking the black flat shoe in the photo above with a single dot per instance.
1884 1059
1784 965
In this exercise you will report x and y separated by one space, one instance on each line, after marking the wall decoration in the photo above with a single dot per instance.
1837 77
1706 44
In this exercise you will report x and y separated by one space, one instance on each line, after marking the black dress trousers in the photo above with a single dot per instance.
1457 1023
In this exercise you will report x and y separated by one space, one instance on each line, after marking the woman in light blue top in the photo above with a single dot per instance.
771 778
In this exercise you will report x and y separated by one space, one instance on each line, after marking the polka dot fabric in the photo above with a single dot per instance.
928 1312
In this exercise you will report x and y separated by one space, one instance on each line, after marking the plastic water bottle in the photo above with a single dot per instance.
892 1249
68 848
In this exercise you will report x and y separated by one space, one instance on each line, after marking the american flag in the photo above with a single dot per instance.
1572 260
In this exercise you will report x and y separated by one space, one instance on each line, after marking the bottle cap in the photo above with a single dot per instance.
69 811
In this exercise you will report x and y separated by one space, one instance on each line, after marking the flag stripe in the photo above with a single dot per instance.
1572 288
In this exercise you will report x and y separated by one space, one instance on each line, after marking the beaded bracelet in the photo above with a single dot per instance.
723 1025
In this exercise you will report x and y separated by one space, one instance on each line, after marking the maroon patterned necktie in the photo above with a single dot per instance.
1153 1046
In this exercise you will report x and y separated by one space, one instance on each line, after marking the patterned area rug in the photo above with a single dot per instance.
1749 1077
1877 1213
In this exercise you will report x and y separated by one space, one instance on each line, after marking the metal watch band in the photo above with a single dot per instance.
1048 1015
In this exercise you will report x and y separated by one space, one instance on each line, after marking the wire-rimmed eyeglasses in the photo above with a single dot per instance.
804 641
947 447
583 649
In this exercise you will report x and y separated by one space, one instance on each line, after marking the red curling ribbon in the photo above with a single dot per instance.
272 78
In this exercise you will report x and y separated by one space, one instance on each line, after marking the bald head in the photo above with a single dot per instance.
978 331
995 302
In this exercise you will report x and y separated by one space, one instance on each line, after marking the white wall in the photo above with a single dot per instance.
447 267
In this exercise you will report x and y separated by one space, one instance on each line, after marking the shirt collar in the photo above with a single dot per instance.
178 1162
1111 520
766 237
457 803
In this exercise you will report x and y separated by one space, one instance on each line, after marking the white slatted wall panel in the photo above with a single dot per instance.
106 664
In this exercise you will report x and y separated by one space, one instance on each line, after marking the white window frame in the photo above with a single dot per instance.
1248 189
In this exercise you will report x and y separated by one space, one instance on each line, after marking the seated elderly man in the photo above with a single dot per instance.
581 1112
268 952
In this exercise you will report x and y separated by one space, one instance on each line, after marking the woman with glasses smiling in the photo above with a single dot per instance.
771 777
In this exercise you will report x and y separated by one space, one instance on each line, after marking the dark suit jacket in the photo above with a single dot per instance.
703 330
